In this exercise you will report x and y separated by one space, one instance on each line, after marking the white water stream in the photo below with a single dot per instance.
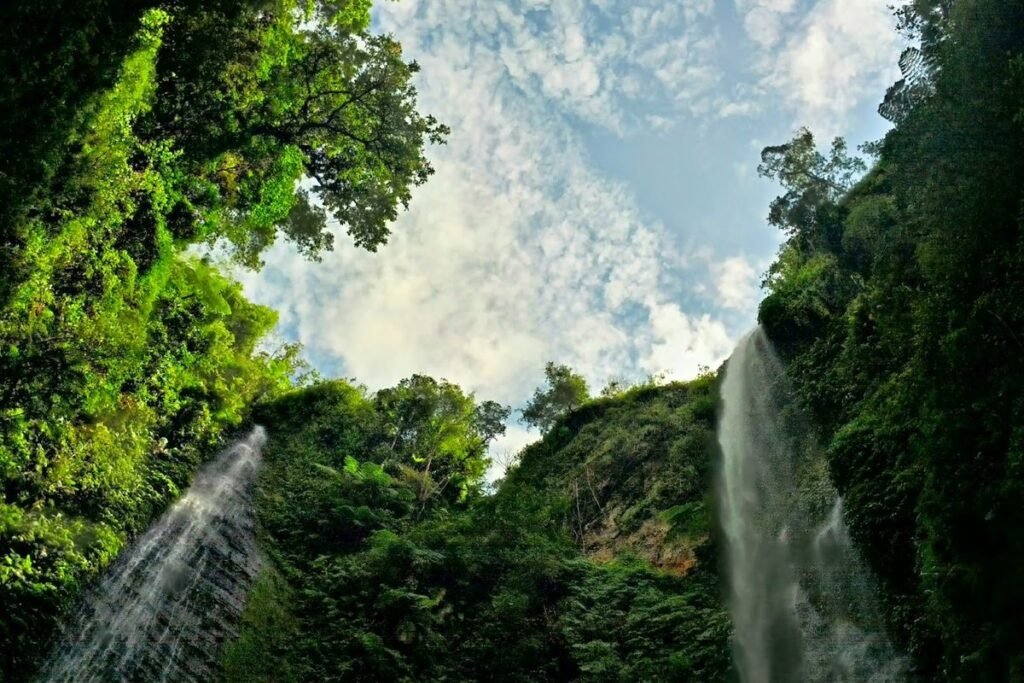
170 602
803 605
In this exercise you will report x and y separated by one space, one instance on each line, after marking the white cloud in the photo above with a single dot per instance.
516 252
728 109
736 284
764 19
609 62
827 61
682 343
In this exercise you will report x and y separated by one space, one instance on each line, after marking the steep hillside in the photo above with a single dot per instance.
591 562
898 306
633 473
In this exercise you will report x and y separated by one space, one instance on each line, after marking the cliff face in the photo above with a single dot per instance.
635 472
897 306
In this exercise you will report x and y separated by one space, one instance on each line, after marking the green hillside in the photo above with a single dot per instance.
592 560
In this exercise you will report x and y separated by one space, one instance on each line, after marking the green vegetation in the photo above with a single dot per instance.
131 132
565 392
127 360
383 573
140 135
898 304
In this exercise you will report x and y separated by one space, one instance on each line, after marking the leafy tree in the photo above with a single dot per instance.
260 99
813 184
565 392
614 387
490 418
438 435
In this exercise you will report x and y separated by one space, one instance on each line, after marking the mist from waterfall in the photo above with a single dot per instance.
170 602
803 605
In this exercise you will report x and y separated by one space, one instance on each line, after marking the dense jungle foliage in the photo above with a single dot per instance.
130 132
592 561
144 140
898 304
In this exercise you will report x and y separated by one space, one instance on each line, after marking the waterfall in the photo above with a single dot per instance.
170 602
803 605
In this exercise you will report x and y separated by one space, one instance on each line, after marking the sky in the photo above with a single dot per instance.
597 203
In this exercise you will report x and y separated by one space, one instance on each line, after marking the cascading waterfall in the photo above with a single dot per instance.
169 603
803 605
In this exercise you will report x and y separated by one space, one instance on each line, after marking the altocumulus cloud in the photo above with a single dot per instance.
517 252
598 60
823 58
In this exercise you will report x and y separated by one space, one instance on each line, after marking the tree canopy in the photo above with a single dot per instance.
260 98
813 183
565 391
